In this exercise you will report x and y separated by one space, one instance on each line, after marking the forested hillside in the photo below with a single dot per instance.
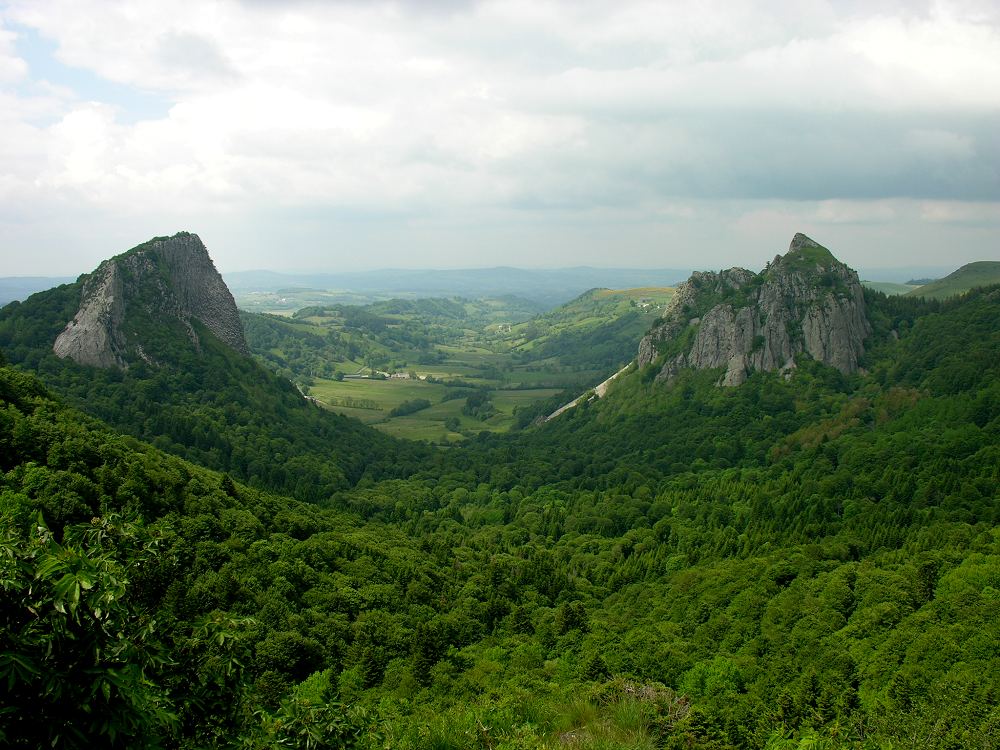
597 330
800 562
210 405
972 275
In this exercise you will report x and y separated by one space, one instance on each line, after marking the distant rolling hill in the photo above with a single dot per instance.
980 273
890 288
600 328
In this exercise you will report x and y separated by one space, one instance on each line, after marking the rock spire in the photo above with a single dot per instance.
803 302
163 280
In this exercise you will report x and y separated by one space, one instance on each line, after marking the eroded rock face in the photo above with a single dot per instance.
93 337
805 301
172 277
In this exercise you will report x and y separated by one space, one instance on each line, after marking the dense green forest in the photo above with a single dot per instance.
213 406
810 562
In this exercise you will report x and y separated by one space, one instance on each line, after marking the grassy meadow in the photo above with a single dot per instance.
372 400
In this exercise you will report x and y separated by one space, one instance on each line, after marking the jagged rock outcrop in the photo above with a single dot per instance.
167 278
94 337
805 301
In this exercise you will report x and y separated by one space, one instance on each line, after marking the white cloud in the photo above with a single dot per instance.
83 146
947 212
12 67
534 111
856 212
942 59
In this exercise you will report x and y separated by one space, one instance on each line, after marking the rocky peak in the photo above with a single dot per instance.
165 279
805 255
800 244
803 302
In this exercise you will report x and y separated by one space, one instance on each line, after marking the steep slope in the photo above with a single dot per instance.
109 635
167 278
598 329
969 276
804 302
155 348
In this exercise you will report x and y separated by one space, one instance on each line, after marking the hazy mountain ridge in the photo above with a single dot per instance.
549 286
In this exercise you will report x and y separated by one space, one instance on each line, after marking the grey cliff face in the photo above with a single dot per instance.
200 290
93 337
172 277
805 301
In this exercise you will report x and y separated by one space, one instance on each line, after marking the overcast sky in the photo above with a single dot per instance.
354 135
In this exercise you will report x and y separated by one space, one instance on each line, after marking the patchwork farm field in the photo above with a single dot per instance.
442 370
442 420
